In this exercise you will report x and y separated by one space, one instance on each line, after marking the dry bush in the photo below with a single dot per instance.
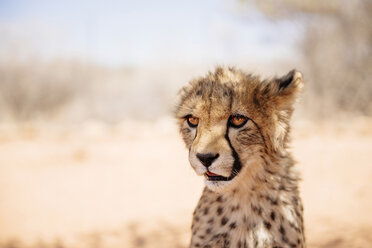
73 91
336 48
34 90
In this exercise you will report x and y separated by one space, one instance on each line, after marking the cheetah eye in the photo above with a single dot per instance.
192 120
237 121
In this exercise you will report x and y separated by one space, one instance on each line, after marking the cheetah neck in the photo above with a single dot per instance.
265 212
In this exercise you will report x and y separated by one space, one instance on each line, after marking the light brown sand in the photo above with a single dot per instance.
131 185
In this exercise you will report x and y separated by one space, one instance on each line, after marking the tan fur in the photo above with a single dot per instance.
260 206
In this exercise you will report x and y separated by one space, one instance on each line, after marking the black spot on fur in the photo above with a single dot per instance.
211 221
234 208
291 224
226 243
206 210
233 225
272 201
257 210
282 230
224 220
272 215
285 239
219 199
295 201
219 210
298 214
216 236
267 225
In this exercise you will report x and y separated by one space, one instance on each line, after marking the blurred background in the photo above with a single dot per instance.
90 156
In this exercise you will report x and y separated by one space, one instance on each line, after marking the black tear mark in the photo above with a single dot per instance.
237 164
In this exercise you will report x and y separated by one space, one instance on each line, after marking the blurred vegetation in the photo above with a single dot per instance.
32 90
74 91
337 49
335 59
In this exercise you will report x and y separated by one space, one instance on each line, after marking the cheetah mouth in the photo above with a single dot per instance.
210 176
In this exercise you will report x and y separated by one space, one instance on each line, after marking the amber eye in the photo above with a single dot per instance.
237 120
192 120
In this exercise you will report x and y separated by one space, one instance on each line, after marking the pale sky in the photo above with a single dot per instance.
143 32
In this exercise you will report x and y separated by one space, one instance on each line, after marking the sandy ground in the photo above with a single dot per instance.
98 186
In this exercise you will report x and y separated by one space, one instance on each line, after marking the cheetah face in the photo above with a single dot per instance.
221 146
227 121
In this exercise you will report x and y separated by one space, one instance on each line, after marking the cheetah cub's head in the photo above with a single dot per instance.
230 121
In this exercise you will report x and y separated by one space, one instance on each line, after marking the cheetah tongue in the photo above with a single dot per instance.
211 174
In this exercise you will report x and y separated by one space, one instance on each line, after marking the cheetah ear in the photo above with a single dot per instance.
290 83
282 95
284 90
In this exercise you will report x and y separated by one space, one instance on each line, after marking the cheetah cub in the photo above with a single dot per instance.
236 128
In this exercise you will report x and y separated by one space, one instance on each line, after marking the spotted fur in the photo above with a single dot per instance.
260 206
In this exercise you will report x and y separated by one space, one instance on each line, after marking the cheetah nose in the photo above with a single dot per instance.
207 158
